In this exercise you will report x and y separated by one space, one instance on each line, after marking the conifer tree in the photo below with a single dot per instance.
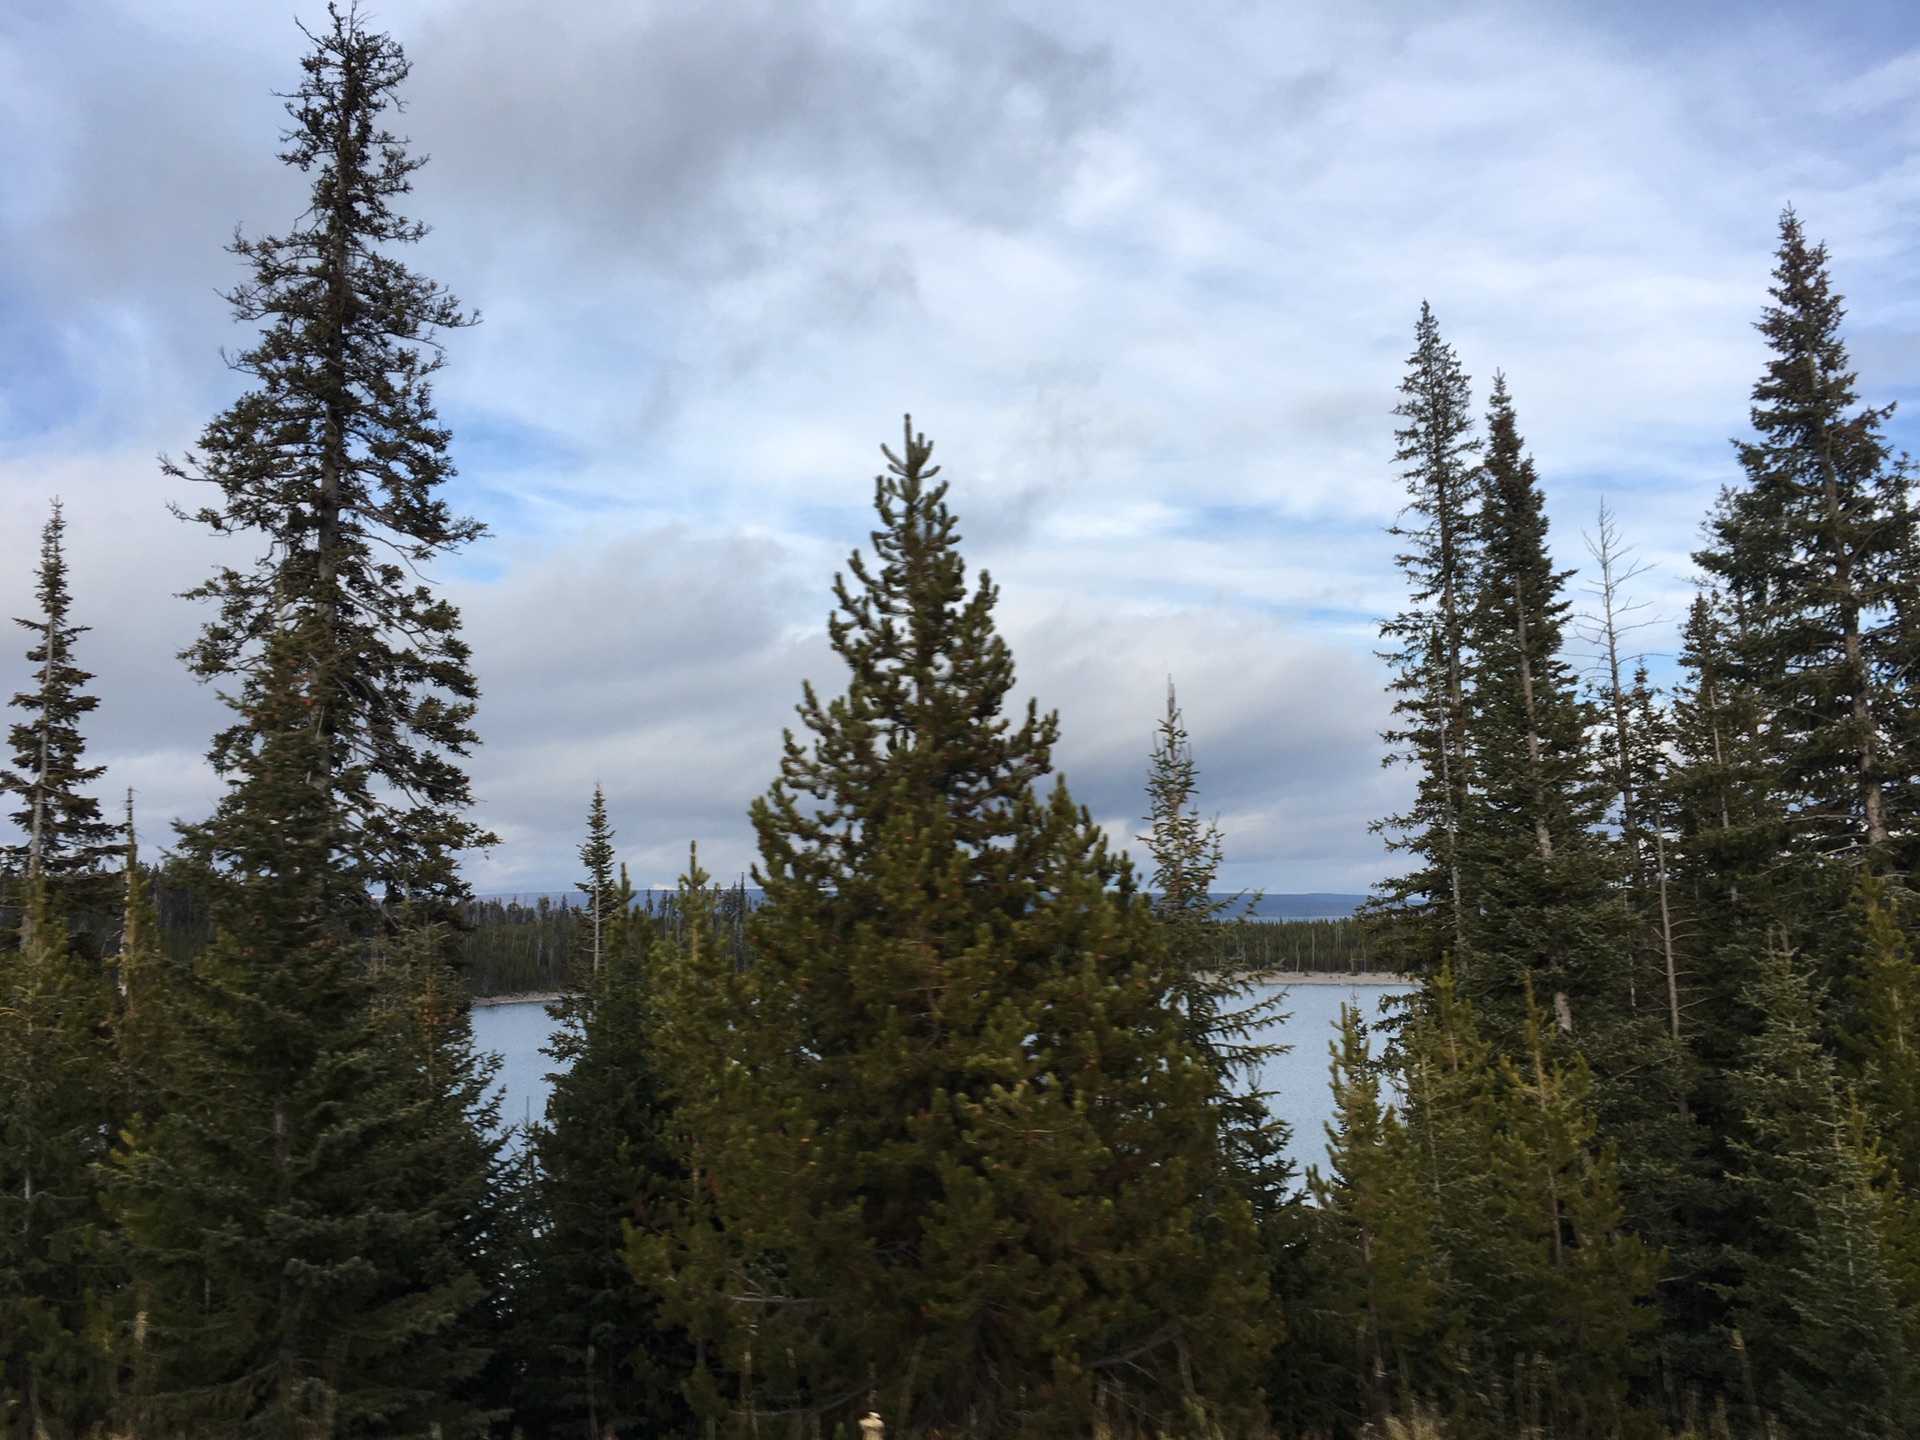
1815 551
1211 987
64 832
1884 1042
55 1122
1542 1282
1430 656
1817 1300
964 1167
1551 914
298 1220
334 461
1377 1193
591 1360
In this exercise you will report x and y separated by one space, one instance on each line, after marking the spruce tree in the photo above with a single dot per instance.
1883 1046
1426 909
65 835
1376 1193
1815 549
590 1359
56 1114
297 1221
1212 987
1545 1293
964 1166
1552 916
1818 1297
333 461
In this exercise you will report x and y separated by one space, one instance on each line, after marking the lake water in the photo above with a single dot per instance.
1298 1078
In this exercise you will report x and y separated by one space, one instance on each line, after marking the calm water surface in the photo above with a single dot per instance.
1298 1078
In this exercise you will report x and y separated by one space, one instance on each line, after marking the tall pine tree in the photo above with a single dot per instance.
590 1359
299 1236
64 834
1815 551
334 461
1427 908
964 1166
305 1219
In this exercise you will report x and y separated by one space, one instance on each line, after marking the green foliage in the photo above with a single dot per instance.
65 835
587 1358
1424 910
299 1220
334 460
1815 552
1819 1295
958 1156
56 1114
1380 1200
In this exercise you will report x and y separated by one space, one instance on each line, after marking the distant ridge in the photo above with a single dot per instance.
1312 905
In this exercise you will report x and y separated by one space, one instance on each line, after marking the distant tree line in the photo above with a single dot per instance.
957 1124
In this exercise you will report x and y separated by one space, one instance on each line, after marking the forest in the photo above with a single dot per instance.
951 1130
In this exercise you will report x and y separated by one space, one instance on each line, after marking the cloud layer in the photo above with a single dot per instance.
1147 276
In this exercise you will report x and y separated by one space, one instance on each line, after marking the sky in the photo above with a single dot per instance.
1146 274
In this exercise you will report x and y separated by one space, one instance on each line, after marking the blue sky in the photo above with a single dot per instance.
1146 273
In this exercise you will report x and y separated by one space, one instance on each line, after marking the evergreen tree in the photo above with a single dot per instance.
1376 1192
298 1220
334 460
964 1165
1211 984
1814 549
1884 1044
64 832
1551 912
55 1123
1817 1299
1542 1283
1426 909
590 1361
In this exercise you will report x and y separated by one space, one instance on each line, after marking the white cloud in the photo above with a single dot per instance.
1147 275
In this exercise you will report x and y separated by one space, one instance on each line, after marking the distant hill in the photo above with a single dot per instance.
1315 905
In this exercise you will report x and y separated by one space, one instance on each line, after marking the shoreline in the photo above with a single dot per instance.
1331 977
523 997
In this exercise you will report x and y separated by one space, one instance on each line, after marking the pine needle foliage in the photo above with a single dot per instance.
1816 549
590 1358
65 834
1818 1300
297 1221
1425 910
962 1163
56 1114
334 460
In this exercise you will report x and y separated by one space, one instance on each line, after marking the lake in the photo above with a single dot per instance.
1298 1078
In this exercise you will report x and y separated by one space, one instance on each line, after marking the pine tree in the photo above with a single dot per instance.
1817 1299
1426 909
334 460
591 1360
65 835
1884 1042
1377 1194
1552 914
1814 550
297 1221
1542 1283
964 1167
55 1122
1211 984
